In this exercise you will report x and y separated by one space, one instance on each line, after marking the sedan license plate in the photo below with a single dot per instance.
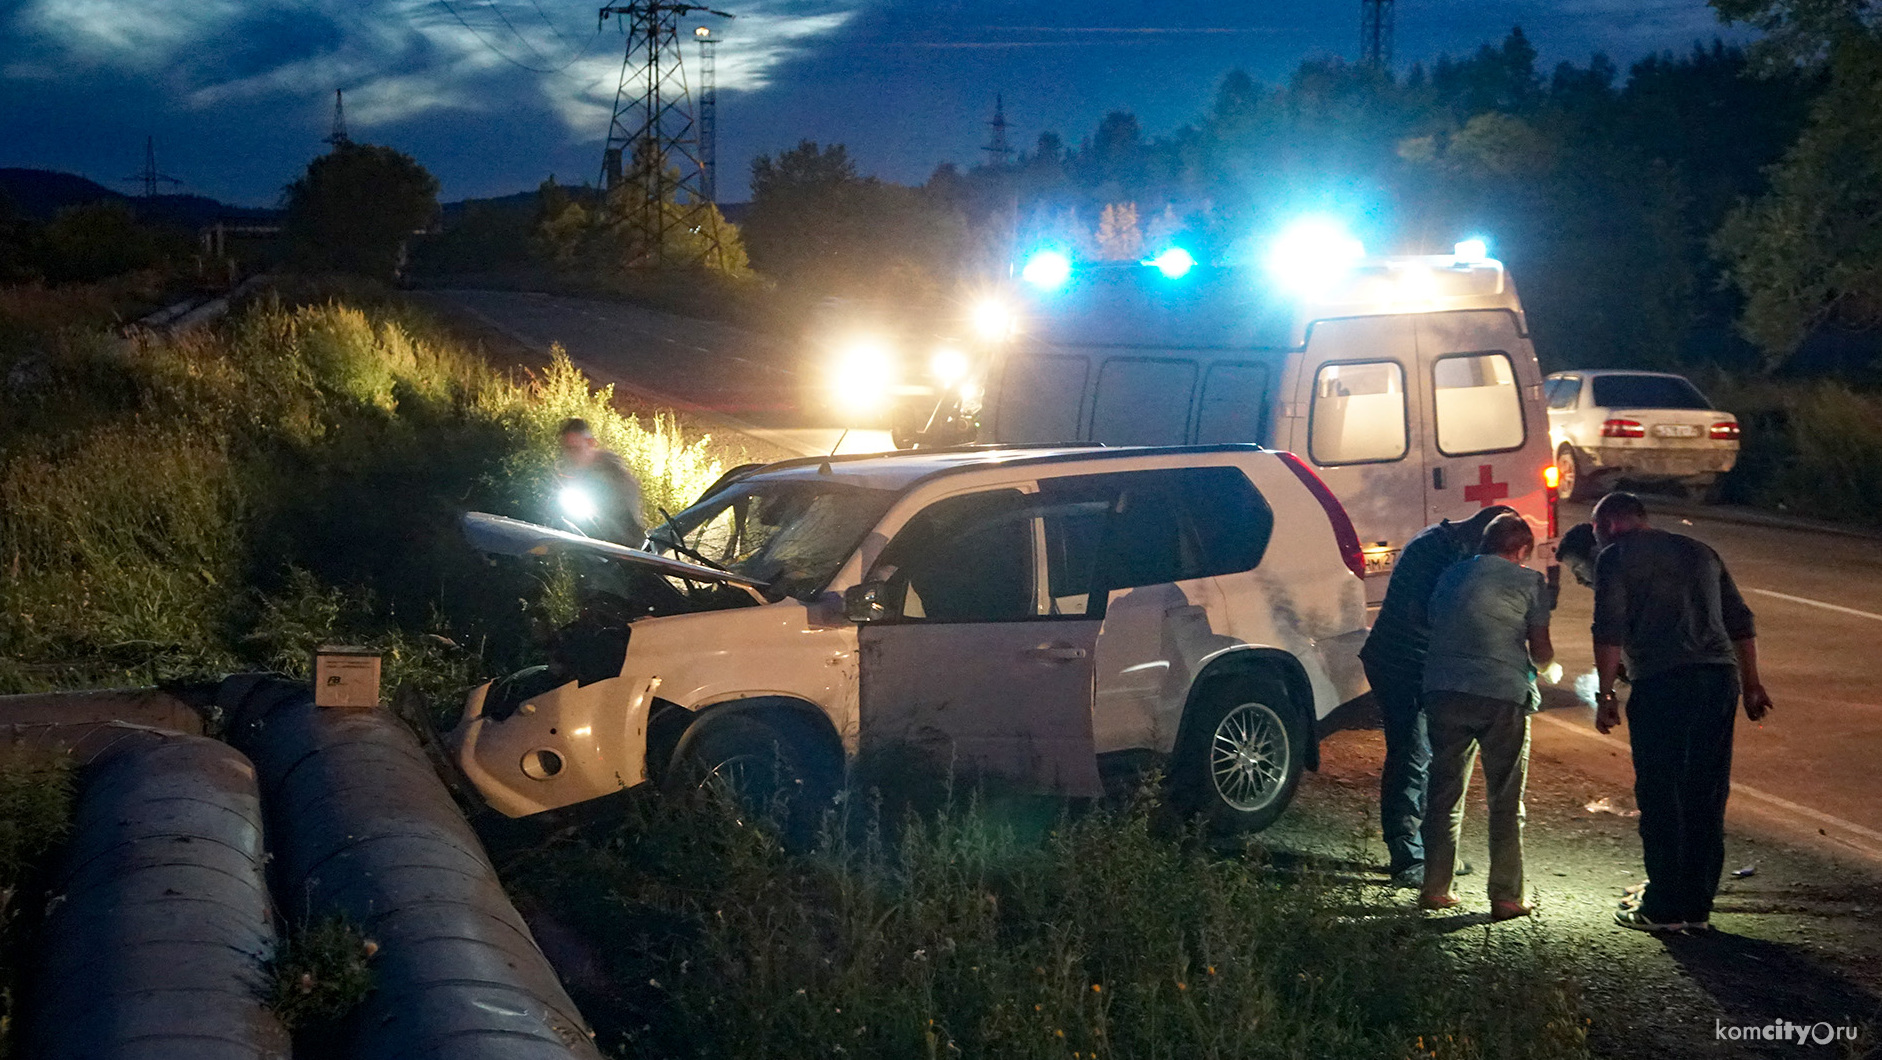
1676 430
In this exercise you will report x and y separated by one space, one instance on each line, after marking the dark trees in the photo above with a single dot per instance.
354 208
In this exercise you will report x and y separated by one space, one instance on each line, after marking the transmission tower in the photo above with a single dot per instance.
1375 34
150 177
338 137
653 132
708 113
997 150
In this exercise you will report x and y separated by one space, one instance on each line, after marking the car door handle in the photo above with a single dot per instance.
1056 653
1437 478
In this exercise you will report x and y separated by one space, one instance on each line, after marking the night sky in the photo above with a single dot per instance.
239 93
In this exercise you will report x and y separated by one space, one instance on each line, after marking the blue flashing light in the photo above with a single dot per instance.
1174 263
1047 269
1313 254
1472 252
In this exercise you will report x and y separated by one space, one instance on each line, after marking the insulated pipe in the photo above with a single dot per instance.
360 825
160 928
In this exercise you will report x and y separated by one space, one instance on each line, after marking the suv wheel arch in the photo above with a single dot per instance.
1258 662
672 728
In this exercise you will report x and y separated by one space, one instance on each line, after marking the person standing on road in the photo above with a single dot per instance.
1489 636
1665 605
1394 658
600 495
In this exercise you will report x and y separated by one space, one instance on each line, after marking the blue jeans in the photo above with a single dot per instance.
1407 768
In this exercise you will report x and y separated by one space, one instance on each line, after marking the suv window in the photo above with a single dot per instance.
1170 526
1358 414
965 559
1563 393
1479 405
1647 392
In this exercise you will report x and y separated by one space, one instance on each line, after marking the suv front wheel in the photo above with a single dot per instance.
1242 755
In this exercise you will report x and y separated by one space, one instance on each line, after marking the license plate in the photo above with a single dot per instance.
1676 430
1380 560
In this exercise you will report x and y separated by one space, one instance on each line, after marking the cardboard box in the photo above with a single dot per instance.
345 677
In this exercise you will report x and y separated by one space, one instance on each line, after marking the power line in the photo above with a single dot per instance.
512 60
537 4
494 6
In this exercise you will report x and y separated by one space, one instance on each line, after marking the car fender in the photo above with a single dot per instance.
1264 660
798 719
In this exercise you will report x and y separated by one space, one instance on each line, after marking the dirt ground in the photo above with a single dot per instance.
1797 939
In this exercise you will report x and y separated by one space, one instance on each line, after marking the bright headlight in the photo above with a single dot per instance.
992 319
948 365
577 504
862 377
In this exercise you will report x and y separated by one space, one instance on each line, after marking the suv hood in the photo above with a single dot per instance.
513 537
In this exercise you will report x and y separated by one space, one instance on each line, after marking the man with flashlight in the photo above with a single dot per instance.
600 496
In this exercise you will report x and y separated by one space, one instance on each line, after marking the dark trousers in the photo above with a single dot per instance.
1407 766
1680 724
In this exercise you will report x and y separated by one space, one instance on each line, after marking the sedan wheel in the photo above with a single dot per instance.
1249 756
1568 484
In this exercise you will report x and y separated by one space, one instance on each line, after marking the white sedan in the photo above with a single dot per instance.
1645 426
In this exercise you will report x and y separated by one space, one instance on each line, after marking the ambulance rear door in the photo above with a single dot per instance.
1486 440
1357 420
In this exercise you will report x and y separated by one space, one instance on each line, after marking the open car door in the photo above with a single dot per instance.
984 659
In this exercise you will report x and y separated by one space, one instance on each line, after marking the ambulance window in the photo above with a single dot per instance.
1479 405
1233 397
1042 399
1563 393
1358 414
1143 402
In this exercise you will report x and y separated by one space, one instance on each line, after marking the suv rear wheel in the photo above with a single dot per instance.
1242 755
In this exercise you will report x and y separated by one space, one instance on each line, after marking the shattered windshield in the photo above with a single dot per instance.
790 533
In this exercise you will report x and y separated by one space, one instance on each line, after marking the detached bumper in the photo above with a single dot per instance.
568 745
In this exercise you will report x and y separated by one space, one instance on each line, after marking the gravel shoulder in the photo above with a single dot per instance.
1798 939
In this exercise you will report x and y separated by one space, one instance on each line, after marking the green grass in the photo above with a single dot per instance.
171 508
1808 448
971 934
35 812
320 973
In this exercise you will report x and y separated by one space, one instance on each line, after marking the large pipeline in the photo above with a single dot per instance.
361 826
160 927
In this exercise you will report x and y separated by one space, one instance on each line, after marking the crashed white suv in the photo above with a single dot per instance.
1014 612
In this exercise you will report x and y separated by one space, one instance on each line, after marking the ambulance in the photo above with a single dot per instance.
1408 383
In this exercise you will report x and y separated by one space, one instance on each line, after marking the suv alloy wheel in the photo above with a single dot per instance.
761 772
1242 755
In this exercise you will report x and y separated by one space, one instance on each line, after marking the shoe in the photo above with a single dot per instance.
1410 877
1699 925
1635 919
1510 910
1439 901
1634 890
1464 868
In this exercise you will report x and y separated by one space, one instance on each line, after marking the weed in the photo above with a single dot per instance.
36 793
961 936
321 973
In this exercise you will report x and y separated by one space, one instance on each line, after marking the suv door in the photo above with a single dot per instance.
986 659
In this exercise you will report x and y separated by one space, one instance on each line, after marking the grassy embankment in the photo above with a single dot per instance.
1808 448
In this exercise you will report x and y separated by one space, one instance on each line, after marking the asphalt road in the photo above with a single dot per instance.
1811 773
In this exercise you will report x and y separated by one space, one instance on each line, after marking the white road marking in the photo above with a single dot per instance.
1737 788
1818 603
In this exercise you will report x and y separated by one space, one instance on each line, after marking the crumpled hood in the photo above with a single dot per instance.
512 537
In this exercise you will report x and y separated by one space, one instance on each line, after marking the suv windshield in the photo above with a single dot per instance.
1647 392
792 533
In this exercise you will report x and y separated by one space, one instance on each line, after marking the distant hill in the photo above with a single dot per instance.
40 193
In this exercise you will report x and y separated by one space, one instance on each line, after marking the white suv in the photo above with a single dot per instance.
1014 613
1648 426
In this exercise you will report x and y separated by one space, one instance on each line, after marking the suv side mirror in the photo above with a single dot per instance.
872 602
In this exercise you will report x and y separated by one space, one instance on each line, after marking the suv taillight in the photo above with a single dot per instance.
1724 432
1343 531
1623 429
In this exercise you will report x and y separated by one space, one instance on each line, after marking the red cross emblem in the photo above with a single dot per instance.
1487 491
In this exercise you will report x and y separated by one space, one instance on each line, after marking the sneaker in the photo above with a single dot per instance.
1635 919
1409 877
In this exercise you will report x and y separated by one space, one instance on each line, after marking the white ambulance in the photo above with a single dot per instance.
1409 383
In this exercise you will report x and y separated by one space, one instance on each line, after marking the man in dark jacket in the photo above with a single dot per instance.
1394 657
1666 606
600 497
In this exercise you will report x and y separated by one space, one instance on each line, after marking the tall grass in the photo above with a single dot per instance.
35 813
1810 448
170 506
962 936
